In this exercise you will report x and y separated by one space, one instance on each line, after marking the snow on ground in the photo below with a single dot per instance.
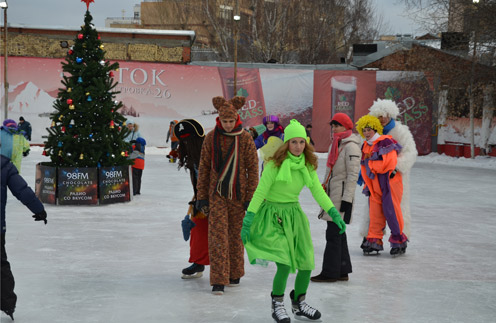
121 263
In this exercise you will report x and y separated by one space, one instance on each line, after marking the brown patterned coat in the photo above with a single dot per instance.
225 218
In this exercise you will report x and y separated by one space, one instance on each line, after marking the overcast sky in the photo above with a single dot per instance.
70 13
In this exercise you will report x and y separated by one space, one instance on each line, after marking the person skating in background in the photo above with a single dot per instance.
228 176
172 156
20 189
13 143
191 135
383 185
134 130
138 154
387 111
271 122
25 127
309 133
343 166
275 227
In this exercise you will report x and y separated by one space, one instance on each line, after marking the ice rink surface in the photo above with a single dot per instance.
122 263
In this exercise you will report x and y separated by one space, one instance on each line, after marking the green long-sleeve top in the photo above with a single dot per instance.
280 191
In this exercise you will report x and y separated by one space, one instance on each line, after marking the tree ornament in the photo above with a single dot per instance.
70 52
69 90
79 60
101 46
61 117
72 122
44 153
111 74
113 156
69 154
71 107
99 37
89 98
102 62
123 154
63 129
59 144
60 152
111 124
81 156
87 93
84 45
69 101
80 79
80 36
53 124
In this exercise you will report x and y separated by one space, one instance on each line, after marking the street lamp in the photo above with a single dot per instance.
236 18
4 5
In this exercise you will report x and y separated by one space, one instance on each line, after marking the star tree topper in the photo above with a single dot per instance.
88 3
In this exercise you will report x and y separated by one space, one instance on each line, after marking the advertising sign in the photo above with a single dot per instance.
45 185
114 184
77 186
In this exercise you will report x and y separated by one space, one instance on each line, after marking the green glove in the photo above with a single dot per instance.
336 218
245 230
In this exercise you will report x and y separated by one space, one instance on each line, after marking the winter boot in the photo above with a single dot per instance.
218 289
279 313
10 312
234 282
193 271
302 310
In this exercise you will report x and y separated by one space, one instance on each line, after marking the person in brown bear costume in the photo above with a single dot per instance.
227 179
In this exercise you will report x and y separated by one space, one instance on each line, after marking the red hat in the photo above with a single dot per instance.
343 119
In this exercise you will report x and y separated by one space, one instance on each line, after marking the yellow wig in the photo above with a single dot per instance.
368 121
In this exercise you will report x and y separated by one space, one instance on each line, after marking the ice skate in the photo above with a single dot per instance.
218 289
193 271
279 313
371 248
301 310
234 282
397 251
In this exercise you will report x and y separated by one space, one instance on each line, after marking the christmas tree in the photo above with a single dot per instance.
87 130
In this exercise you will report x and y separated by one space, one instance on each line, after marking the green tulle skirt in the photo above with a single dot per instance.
280 232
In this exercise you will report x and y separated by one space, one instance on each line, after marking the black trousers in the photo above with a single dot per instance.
337 261
8 297
137 173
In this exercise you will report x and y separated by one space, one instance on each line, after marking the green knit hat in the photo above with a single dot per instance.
294 130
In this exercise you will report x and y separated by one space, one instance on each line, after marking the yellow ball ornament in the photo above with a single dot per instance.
81 156
71 107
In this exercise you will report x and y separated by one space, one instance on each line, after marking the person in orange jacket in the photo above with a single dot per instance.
383 186
174 142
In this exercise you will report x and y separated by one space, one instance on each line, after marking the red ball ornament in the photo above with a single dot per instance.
80 36
99 37
70 52
69 101
111 74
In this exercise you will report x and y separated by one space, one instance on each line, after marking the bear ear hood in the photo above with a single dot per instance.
384 108
228 109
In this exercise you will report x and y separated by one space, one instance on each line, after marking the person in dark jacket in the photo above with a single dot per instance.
21 190
25 127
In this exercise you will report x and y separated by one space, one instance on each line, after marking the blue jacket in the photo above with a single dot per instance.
18 187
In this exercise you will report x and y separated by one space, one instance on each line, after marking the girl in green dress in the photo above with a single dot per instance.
275 227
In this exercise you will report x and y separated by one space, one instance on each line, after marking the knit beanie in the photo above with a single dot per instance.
343 120
368 121
384 108
294 130
9 123
270 118
228 109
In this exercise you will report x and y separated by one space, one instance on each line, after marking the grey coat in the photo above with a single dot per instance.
343 180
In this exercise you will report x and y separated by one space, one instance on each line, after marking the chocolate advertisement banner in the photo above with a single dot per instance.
114 184
77 186
45 183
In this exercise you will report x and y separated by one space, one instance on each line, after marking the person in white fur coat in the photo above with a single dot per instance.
387 111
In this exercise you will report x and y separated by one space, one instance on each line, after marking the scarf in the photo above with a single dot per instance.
276 132
334 149
227 168
296 163
374 138
387 128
